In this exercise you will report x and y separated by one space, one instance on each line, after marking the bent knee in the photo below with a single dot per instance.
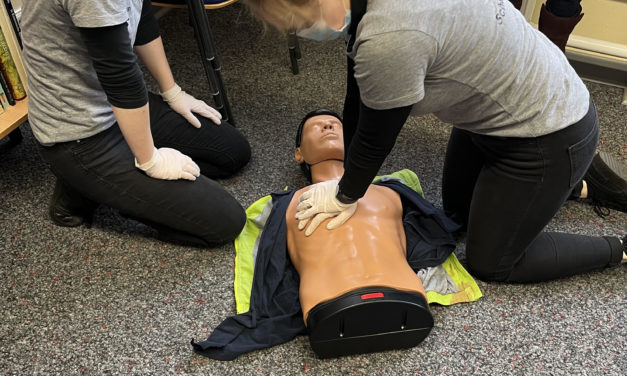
487 270
238 157
242 156
234 223
227 224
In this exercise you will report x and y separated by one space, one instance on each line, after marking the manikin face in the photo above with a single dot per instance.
322 140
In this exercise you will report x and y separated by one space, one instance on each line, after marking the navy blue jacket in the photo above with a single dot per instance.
275 314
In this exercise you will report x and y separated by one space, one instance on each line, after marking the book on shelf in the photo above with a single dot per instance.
13 45
9 69
6 91
4 100
14 22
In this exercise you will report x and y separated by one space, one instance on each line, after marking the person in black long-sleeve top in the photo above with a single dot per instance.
523 134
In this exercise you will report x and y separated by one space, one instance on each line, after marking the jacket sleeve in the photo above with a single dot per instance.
429 232
275 315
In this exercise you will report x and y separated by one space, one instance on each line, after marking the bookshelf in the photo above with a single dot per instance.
13 116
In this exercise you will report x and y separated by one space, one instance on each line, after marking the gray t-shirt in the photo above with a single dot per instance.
66 101
476 64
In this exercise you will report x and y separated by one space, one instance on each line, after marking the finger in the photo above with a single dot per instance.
302 224
192 168
187 176
306 214
305 195
303 206
187 164
202 106
193 120
215 120
341 218
206 111
315 222
215 114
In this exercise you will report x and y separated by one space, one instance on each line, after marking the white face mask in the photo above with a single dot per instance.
320 31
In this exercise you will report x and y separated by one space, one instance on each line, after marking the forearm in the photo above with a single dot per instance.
135 126
350 115
152 54
374 139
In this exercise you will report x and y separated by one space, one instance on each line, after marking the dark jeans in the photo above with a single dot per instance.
506 190
101 168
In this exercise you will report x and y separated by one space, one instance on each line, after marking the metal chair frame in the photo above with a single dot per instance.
208 52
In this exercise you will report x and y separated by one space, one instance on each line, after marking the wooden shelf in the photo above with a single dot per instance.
13 117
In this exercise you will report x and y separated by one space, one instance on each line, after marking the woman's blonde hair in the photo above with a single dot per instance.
284 14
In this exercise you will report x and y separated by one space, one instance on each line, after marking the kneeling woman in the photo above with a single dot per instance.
524 132
108 141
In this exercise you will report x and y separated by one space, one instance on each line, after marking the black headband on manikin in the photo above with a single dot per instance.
320 111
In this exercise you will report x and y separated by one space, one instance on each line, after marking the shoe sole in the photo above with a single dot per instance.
599 178
618 168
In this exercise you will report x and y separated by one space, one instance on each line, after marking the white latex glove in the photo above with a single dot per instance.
185 105
170 164
319 203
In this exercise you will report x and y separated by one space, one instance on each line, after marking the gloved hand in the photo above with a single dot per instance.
185 105
319 203
170 164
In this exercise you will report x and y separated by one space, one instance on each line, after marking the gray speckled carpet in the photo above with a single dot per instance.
113 300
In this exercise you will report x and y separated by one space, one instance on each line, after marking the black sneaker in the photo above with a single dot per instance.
68 208
607 184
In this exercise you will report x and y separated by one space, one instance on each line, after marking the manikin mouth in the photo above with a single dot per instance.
329 135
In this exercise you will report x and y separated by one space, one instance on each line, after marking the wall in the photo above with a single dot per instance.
603 20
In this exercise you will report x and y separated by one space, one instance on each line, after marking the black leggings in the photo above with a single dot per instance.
505 190
101 168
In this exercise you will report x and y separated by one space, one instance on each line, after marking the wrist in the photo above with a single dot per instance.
171 94
344 199
147 165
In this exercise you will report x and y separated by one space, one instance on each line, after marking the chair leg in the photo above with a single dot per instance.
297 46
210 60
294 50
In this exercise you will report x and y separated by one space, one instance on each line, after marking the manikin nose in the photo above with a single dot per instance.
328 125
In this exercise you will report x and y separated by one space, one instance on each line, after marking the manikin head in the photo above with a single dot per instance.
319 138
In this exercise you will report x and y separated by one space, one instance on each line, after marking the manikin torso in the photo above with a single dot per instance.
368 250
